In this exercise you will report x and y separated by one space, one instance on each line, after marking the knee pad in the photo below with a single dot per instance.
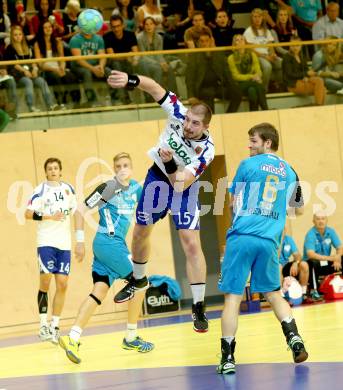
95 299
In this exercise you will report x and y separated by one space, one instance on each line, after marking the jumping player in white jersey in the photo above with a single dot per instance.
183 152
51 205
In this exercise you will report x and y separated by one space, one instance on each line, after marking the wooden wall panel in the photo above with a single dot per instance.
235 135
19 271
311 145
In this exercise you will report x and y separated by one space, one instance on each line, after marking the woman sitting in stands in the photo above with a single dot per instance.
55 72
26 76
150 8
283 30
46 12
154 66
245 69
125 9
69 18
326 62
298 78
258 33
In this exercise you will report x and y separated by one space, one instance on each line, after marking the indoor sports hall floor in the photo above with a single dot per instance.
184 359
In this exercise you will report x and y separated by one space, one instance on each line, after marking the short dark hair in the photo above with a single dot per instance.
51 160
201 108
196 13
116 17
266 131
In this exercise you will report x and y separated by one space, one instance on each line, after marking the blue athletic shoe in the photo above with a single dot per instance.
138 344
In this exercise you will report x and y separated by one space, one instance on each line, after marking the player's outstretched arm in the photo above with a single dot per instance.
119 79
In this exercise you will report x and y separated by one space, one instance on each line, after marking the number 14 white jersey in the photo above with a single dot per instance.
47 200
194 155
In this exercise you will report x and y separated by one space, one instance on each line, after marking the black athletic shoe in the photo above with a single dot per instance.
297 346
128 291
227 363
200 322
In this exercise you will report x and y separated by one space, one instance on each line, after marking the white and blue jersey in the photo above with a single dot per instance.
288 248
116 206
263 187
322 245
159 197
194 155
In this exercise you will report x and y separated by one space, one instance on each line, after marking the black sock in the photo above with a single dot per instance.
42 302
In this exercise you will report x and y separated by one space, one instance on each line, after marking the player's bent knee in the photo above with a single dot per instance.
62 286
97 300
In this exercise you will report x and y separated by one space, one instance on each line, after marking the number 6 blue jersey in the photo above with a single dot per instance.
263 187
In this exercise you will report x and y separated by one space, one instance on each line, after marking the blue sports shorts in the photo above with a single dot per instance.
158 198
245 254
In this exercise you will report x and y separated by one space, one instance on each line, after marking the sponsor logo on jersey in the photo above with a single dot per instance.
67 192
179 150
198 150
280 170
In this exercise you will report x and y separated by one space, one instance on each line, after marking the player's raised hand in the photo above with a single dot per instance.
117 79
79 251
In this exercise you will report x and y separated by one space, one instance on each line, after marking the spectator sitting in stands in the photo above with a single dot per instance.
208 77
306 13
8 83
5 28
117 41
296 267
154 66
326 62
299 78
54 72
211 8
329 24
63 3
20 18
223 31
182 13
69 17
246 71
283 30
258 33
318 244
46 12
26 76
83 44
125 9
270 9
150 8
192 34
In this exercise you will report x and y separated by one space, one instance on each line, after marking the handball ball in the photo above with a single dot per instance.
90 21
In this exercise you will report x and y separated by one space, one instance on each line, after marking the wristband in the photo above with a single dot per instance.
80 236
132 82
170 166
37 217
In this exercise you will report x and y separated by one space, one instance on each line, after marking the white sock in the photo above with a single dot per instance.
131 332
198 292
55 320
43 319
229 339
304 288
139 270
288 319
75 333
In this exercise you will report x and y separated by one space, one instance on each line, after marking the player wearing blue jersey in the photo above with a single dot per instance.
116 201
51 205
184 150
264 187
291 264
318 244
